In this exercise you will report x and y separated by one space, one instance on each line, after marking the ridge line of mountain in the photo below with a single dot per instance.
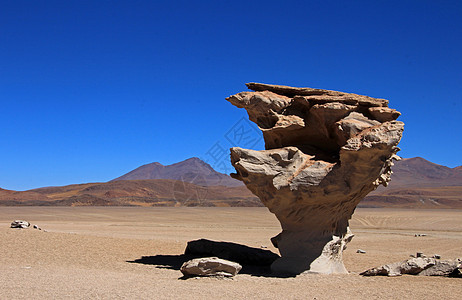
416 183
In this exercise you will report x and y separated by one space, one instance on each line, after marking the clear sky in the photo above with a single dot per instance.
90 90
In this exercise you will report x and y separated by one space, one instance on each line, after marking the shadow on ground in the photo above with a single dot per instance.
174 262
254 261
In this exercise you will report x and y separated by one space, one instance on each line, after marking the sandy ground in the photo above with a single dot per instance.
89 253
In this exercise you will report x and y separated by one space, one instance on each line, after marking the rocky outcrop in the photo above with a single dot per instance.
411 266
210 266
444 268
325 151
418 266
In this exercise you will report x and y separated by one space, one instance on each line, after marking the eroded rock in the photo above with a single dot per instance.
325 151
210 266
418 266
443 268
411 266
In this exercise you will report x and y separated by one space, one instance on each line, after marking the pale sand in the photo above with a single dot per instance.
86 254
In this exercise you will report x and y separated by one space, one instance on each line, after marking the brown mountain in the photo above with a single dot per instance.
418 183
420 172
8 197
149 192
192 170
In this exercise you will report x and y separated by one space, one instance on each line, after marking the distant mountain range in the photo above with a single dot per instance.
420 172
416 183
192 170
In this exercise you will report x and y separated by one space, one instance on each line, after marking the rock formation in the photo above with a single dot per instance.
421 266
411 266
325 151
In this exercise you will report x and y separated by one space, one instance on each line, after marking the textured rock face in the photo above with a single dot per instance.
444 268
411 266
418 266
325 151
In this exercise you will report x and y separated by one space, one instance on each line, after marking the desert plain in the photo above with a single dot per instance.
135 253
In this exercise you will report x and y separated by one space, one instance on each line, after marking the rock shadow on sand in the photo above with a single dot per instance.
254 261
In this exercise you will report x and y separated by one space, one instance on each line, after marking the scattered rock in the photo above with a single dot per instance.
437 256
420 254
325 151
360 251
442 268
210 266
411 266
418 266
20 224
419 234
231 251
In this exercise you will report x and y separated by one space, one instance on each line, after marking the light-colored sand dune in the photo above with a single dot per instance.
87 254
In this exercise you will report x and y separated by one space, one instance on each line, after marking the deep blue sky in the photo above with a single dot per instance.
90 90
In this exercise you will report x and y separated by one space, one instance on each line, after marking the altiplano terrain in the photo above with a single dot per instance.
97 252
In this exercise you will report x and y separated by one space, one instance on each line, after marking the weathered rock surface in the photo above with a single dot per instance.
411 266
230 251
443 268
210 266
418 266
325 151
20 224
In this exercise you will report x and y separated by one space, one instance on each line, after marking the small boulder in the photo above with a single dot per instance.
20 224
210 266
386 270
360 251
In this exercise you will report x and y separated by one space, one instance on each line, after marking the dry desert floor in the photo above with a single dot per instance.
91 253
